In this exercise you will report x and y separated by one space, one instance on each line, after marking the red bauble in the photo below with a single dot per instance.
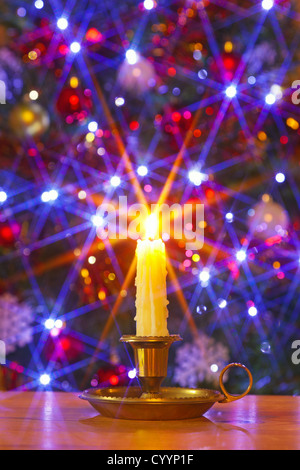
63 347
173 120
230 64
9 233
74 103
113 375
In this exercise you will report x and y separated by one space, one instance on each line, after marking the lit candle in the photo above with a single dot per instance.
151 287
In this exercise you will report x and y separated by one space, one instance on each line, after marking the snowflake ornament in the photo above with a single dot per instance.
11 74
200 362
15 320
263 56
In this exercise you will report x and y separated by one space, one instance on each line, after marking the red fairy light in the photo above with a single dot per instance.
176 116
63 49
171 71
232 266
65 343
93 35
284 139
114 380
134 125
74 100
209 193
273 240
209 111
229 63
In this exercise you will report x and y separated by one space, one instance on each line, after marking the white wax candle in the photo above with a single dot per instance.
151 289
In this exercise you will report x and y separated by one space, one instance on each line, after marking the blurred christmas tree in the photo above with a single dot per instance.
104 100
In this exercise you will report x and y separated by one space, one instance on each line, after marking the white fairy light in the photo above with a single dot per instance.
3 196
62 23
230 91
142 170
149 4
75 47
252 311
241 255
45 379
280 177
267 4
204 275
131 56
115 181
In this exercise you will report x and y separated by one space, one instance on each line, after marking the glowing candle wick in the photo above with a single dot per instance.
151 227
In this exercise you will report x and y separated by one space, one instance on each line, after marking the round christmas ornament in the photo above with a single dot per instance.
230 64
11 74
113 374
10 64
263 57
200 361
15 320
9 233
74 104
29 120
137 77
173 120
268 219
62 346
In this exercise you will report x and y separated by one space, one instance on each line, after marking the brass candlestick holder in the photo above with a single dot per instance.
151 401
151 360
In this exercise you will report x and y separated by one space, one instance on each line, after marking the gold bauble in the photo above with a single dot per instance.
29 120
268 219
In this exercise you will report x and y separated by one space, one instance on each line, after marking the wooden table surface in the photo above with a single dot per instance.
57 420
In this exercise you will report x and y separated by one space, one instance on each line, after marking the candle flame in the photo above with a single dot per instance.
151 227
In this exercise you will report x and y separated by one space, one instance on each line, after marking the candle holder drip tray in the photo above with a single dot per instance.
151 401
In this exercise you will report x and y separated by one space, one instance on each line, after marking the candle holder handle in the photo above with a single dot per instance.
151 360
228 397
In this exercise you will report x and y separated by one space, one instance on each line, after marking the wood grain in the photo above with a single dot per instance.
57 420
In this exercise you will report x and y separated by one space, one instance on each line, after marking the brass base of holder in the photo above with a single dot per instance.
151 402
171 404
